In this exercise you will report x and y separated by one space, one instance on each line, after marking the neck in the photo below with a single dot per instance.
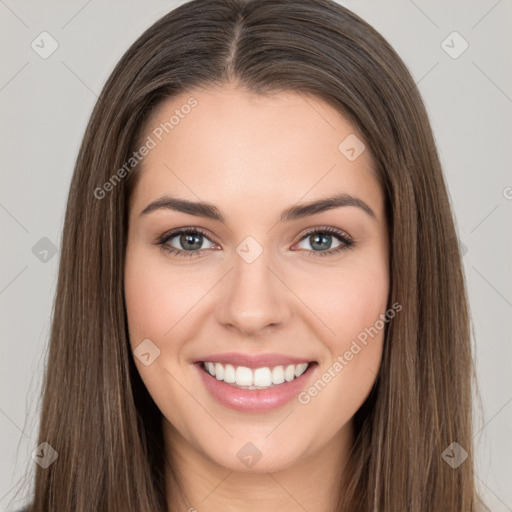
310 483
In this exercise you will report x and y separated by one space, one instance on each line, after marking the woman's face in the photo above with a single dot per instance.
264 284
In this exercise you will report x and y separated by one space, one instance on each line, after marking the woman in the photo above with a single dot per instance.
253 369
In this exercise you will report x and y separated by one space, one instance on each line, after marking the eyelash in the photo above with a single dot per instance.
347 242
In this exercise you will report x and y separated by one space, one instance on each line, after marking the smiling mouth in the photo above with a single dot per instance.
265 377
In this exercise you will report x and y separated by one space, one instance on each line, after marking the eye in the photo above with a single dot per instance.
319 239
189 241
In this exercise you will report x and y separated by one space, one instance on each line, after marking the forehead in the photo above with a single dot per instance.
225 145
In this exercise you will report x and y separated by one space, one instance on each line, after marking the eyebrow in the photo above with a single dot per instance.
210 211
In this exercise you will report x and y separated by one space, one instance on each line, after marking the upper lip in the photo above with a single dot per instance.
252 360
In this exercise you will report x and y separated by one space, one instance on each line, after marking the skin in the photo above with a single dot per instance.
254 156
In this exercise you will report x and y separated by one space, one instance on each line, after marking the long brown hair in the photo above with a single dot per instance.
97 413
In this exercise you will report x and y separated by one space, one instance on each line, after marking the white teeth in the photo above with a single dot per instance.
277 375
262 377
300 369
244 376
219 371
229 374
289 373
259 378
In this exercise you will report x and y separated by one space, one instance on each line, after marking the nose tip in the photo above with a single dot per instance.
254 298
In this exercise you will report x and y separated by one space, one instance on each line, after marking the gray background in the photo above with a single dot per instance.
44 107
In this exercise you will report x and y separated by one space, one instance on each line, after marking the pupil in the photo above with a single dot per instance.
319 239
190 239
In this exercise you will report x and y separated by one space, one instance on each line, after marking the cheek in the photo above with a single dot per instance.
352 309
156 298
362 300
348 301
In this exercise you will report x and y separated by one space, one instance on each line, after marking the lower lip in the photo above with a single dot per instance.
254 400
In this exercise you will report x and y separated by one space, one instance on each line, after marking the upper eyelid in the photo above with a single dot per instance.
328 229
178 231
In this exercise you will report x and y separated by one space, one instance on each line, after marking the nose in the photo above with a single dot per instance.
253 299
